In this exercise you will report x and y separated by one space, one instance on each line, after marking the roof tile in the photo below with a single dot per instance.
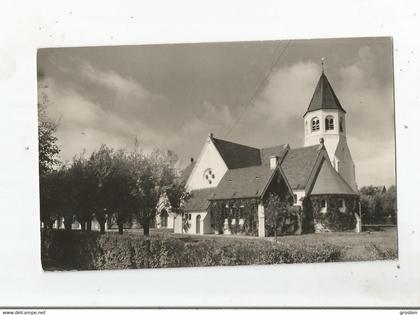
199 199
298 164
329 182
247 182
237 155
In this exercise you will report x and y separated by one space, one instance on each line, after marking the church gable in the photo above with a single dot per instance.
209 168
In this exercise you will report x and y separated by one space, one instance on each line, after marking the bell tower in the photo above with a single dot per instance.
326 118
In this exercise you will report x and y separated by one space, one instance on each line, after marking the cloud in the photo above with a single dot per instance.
277 113
124 86
289 91
97 104
368 102
370 119
375 162
84 125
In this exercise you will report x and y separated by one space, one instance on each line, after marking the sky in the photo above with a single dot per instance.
171 96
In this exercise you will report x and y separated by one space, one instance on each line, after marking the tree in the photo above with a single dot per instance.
122 182
152 175
83 189
47 141
177 195
390 203
49 198
100 167
378 205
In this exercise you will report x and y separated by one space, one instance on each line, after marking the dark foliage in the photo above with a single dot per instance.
281 217
47 141
336 218
92 250
110 186
234 211
307 216
379 205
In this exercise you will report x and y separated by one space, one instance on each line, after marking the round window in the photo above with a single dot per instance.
209 175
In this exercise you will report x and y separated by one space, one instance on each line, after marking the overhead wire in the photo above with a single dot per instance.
259 87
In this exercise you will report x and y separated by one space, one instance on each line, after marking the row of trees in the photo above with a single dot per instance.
120 184
378 204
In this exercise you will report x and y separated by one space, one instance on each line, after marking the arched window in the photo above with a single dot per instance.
329 123
315 124
164 218
343 206
341 125
324 206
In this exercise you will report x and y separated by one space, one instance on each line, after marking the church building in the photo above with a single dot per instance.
231 182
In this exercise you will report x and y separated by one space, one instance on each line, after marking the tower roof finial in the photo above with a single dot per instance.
322 64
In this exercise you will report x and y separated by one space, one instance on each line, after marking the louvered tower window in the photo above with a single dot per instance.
329 123
315 124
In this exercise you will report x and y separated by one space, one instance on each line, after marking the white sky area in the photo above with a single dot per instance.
172 96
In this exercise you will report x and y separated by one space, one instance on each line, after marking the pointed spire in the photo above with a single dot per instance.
324 96
322 64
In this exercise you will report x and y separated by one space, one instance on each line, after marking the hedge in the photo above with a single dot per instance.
69 250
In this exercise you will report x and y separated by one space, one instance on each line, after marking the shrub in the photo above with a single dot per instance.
91 250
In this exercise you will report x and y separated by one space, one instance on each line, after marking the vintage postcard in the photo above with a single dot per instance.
217 154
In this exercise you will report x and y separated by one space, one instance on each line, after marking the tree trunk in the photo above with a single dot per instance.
275 233
67 223
89 224
48 224
146 227
120 228
102 226
83 225
298 230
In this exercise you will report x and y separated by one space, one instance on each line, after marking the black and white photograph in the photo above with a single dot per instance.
217 154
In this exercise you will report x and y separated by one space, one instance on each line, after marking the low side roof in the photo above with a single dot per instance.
329 182
199 200
237 155
186 172
248 182
298 164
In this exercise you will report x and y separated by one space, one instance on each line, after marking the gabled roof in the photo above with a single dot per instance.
298 164
237 155
186 172
247 182
278 150
324 96
329 182
199 199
